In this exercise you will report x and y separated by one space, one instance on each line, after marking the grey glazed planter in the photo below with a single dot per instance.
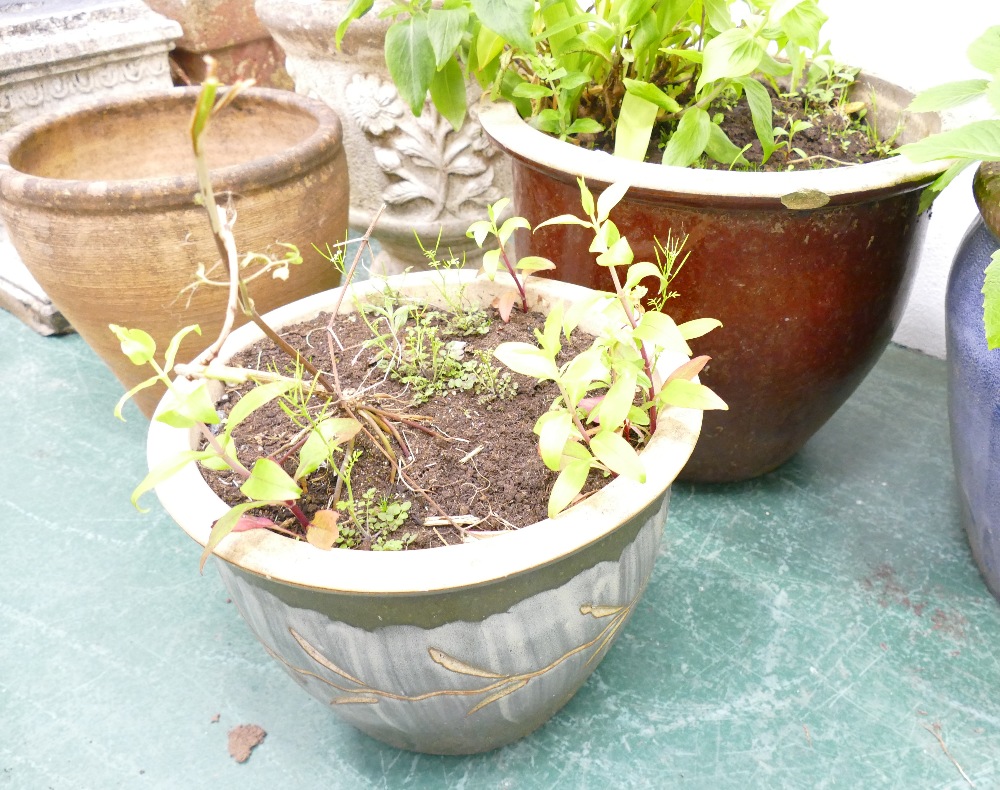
431 178
456 649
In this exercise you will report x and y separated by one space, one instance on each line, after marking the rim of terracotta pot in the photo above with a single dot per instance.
986 190
195 507
807 189
322 145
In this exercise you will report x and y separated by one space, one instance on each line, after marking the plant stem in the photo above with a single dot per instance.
647 365
517 280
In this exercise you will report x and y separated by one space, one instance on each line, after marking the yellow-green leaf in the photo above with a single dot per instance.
268 482
618 455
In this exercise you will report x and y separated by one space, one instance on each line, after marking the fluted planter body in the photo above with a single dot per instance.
455 649
808 271
974 382
100 205
431 178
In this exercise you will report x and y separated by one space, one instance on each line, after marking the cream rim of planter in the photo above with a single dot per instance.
195 507
803 189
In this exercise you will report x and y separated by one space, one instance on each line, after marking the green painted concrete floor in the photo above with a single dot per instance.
821 627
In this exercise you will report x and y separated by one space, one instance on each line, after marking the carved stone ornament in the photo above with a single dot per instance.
446 174
435 181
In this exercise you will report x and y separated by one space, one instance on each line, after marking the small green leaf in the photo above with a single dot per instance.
175 344
510 19
356 10
447 90
635 127
640 271
698 327
991 302
137 345
531 90
722 149
803 23
534 263
733 53
568 484
445 28
526 359
223 527
150 382
563 219
410 59
688 142
618 455
216 463
984 52
615 404
977 140
660 330
554 429
618 254
652 94
610 198
689 395
253 400
586 197
488 47
479 230
509 226
491 262
268 482
584 126
761 113
166 470
196 406
944 97
323 439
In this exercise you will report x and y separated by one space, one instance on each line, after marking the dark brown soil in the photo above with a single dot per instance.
480 459
835 139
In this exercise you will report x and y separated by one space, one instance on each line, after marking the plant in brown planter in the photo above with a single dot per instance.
461 647
808 268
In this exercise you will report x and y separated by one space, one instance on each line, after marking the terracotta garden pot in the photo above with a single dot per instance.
99 204
455 649
808 271
974 382
432 179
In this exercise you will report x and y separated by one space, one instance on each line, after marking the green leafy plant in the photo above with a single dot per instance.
978 141
616 67
608 404
609 395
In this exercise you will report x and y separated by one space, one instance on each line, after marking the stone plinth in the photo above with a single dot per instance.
58 54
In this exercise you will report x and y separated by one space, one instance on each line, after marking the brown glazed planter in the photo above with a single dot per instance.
99 204
808 271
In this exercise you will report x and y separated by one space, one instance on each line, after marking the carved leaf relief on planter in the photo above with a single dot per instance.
448 174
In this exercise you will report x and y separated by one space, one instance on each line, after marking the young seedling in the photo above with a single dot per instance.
582 432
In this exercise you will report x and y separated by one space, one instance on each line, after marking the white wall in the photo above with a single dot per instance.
917 44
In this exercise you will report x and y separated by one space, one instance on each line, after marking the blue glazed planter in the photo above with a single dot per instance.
974 382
